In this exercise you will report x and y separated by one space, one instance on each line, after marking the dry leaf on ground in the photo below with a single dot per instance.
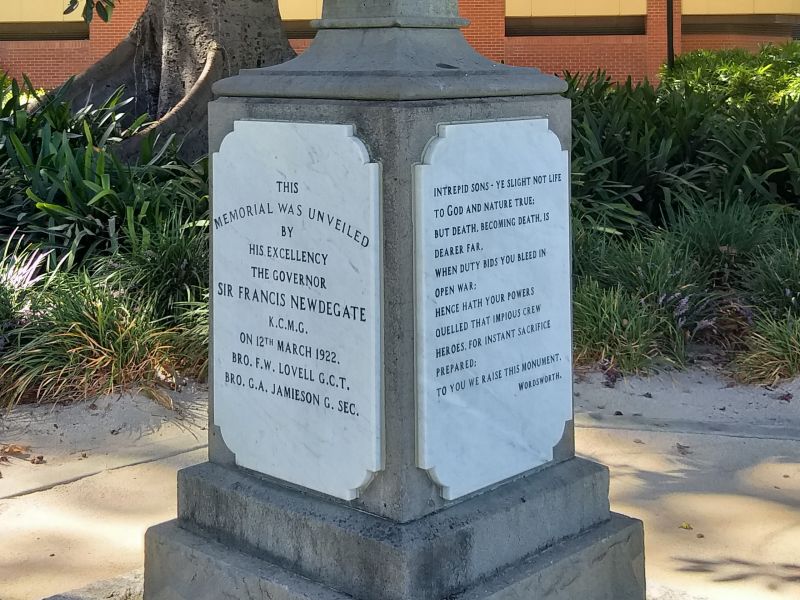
13 449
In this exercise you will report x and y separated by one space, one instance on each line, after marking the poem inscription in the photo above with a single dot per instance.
296 304
494 316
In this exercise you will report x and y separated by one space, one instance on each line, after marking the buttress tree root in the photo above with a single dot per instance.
174 53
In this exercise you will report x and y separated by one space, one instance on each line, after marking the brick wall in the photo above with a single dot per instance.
300 45
487 28
47 63
619 55
50 63
105 36
692 42
657 34
639 56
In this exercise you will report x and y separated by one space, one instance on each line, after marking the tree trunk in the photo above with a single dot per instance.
175 52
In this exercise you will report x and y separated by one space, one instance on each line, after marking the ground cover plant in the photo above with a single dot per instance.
709 279
83 338
613 328
6 306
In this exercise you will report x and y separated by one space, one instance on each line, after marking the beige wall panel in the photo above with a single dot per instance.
299 10
519 8
576 8
36 11
596 8
551 8
633 7
718 7
694 7
741 7
11 11
782 7
75 15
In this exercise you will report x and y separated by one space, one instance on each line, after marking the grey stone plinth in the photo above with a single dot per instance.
396 134
426 559
126 587
180 565
603 563
337 66
395 70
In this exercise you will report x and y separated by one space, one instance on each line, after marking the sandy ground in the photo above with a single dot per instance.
72 535
109 473
90 438
714 473
712 469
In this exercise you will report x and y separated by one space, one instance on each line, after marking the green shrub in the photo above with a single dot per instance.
63 188
7 311
635 150
85 337
772 279
754 156
83 202
720 126
665 275
725 236
772 350
600 195
751 148
617 328
25 111
168 268
190 338
742 78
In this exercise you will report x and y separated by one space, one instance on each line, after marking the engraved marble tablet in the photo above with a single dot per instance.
494 318
296 304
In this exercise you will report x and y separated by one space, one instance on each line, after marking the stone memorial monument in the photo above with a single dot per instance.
391 385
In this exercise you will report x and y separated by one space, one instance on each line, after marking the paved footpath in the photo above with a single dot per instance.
714 473
109 473
713 470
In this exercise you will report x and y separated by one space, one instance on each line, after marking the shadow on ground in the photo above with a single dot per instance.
721 513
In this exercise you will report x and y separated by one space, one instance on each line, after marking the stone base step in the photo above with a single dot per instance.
604 563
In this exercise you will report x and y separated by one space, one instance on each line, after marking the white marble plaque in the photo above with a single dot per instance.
494 316
296 304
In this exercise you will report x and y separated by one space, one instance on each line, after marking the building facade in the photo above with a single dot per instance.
623 37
